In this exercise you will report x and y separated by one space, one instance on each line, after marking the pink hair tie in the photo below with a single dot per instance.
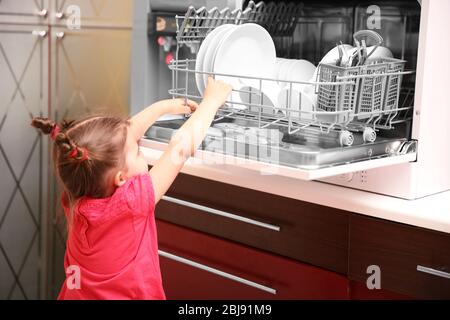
73 153
56 129
84 154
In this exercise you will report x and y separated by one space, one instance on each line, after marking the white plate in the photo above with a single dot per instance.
283 71
208 60
331 56
270 90
296 70
278 63
301 70
247 50
211 41
380 52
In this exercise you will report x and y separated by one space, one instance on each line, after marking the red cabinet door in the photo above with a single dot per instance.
412 261
359 291
195 265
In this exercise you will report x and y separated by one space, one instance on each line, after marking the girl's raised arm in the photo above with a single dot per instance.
187 139
140 122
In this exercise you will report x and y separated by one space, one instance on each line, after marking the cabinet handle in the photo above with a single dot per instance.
216 272
42 13
59 15
221 213
39 33
434 272
60 35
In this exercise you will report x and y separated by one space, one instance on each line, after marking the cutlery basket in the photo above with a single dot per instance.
337 97
375 89
393 82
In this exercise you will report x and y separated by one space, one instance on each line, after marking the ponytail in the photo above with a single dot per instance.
68 148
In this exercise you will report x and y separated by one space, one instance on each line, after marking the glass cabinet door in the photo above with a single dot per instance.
23 160
24 11
117 13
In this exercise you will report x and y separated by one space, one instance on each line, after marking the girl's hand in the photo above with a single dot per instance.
216 92
180 106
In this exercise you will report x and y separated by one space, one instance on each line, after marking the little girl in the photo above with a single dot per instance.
109 195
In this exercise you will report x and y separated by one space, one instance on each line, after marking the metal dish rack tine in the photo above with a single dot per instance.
247 13
258 13
288 113
202 19
285 21
236 15
261 102
275 19
211 21
186 84
290 19
280 20
184 28
224 16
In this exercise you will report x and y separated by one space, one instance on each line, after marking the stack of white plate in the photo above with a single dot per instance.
247 52
241 50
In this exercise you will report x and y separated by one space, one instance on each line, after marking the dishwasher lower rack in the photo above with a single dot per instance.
362 99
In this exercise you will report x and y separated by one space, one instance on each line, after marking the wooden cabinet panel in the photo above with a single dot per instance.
289 279
414 262
359 291
307 232
407 256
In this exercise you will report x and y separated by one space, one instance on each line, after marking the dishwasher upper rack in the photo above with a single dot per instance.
252 106
279 19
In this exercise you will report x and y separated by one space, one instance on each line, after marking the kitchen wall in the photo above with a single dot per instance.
150 74
151 77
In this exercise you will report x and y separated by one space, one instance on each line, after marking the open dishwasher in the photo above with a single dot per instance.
361 118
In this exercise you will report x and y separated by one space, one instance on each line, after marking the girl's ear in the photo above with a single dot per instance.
119 179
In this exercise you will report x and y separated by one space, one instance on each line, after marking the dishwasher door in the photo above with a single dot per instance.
269 151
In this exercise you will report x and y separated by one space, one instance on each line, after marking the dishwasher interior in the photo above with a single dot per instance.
361 113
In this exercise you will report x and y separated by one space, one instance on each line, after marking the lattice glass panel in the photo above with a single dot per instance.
23 92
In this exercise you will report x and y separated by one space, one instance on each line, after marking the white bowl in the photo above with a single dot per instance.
270 91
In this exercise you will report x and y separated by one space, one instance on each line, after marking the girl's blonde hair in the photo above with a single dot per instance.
85 153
